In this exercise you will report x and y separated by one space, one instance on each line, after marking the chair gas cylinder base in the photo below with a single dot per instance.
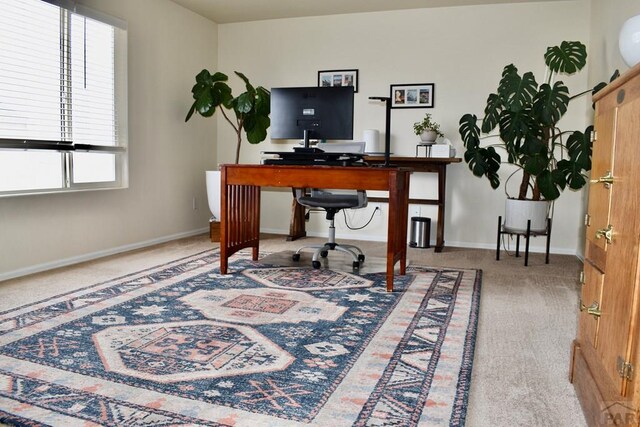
527 234
332 203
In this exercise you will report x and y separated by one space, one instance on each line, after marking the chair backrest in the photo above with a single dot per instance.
318 194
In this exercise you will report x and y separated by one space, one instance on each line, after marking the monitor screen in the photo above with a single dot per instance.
323 112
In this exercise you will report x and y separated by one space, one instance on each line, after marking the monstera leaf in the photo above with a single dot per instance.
491 113
579 147
484 161
551 103
469 131
515 127
516 92
536 156
572 173
567 58
551 183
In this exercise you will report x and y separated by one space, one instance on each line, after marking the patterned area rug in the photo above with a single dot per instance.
266 345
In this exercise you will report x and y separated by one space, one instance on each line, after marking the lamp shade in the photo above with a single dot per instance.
629 41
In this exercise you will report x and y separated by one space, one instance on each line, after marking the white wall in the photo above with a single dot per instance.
460 49
167 46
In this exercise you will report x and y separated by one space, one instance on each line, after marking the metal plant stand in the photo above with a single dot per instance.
527 234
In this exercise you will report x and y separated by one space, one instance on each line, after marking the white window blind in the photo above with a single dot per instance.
62 96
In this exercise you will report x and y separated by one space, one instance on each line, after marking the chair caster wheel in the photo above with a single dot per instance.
315 264
361 257
324 254
295 257
356 265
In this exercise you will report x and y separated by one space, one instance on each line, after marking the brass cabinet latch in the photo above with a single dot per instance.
593 309
625 369
607 233
607 180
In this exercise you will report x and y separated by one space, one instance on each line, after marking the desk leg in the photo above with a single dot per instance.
397 226
239 222
442 190
296 226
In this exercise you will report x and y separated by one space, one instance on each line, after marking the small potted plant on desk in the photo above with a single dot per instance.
427 129
526 114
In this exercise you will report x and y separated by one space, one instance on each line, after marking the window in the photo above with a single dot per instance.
63 98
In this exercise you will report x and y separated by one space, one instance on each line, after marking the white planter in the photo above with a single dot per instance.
518 212
213 193
428 136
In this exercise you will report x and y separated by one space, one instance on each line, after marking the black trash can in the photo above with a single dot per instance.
420 232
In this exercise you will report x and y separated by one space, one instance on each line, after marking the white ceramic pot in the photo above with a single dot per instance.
213 193
517 212
428 136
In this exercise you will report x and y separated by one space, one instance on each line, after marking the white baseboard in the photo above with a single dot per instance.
98 254
491 246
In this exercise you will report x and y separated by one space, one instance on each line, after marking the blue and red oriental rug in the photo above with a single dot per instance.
267 345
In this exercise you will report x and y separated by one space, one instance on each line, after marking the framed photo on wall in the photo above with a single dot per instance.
329 78
417 95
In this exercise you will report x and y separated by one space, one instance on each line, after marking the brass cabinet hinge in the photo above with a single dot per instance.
625 369
587 220
594 136
581 278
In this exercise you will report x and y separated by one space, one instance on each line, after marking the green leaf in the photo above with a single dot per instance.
516 127
491 113
536 158
548 185
244 103
579 148
484 161
248 85
567 58
572 173
550 104
258 132
469 131
516 92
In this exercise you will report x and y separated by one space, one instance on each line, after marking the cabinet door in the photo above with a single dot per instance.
600 192
615 334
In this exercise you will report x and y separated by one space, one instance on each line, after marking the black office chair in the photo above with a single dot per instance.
332 203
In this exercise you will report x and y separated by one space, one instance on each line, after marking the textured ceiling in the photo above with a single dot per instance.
228 11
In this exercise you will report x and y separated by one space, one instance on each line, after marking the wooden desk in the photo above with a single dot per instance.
416 164
240 202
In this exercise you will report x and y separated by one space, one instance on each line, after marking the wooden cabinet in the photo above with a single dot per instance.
605 367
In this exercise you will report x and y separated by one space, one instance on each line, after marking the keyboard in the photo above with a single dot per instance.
317 158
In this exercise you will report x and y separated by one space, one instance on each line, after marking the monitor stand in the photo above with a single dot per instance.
307 146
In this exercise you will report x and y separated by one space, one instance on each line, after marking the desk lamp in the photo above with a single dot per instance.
387 132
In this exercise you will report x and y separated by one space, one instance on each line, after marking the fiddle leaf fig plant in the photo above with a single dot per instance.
251 108
526 114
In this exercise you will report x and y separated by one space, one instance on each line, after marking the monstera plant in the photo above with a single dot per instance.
526 114
251 108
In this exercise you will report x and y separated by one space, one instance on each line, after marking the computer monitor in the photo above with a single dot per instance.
312 113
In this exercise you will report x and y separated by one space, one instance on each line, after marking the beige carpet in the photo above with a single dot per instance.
527 321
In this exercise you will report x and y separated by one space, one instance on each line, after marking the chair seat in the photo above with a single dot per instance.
335 201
